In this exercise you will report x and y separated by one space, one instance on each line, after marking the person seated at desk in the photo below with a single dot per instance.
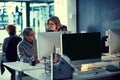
55 25
9 48
27 48
104 48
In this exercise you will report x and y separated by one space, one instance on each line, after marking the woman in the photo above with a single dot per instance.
9 47
55 25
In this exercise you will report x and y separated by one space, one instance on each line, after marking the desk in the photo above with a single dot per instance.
94 76
38 74
21 66
102 75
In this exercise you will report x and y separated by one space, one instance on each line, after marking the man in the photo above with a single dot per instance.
27 48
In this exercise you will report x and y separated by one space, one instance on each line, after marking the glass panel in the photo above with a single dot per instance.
15 13
40 12
12 13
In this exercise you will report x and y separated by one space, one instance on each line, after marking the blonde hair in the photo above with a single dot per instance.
56 20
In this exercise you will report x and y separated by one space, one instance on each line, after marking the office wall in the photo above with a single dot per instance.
71 15
98 15
66 11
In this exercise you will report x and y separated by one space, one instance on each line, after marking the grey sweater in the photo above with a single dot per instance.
27 50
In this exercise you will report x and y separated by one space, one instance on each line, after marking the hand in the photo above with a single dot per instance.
37 61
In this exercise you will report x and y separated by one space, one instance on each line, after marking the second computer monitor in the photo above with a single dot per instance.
114 42
82 48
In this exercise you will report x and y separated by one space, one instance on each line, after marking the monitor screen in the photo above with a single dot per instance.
114 41
82 47
48 42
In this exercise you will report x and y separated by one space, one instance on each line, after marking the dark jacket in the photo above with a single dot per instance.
63 28
9 48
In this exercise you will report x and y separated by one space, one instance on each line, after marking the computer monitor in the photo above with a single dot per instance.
114 42
82 48
49 42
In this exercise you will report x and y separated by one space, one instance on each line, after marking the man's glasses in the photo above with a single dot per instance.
31 35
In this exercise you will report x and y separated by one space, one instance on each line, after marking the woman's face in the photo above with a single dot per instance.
52 25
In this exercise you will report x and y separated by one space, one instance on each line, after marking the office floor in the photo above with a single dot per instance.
5 76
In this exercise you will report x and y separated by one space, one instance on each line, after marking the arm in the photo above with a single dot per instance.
63 28
4 46
22 54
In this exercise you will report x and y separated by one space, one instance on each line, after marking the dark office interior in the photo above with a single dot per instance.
98 15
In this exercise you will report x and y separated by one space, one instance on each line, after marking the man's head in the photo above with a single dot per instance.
29 34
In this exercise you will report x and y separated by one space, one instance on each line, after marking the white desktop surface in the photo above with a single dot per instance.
38 71
38 74
21 66
78 76
93 75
